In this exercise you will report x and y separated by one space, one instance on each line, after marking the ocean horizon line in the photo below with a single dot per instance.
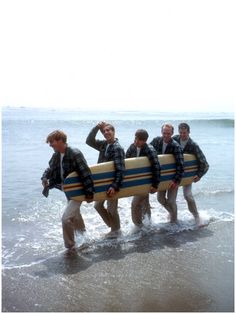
121 110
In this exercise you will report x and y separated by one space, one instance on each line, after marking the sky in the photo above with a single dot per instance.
168 55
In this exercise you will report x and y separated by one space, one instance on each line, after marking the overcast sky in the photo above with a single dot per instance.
135 55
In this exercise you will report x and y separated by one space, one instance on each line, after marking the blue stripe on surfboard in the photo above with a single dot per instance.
95 177
109 175
128 172
104 188
188 163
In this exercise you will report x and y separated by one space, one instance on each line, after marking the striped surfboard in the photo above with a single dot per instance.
137 179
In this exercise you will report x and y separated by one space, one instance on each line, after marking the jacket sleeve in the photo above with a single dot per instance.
129 152
48 172
155 166
91 139
156 143
119 164
203 165
179 160
84 172
153 143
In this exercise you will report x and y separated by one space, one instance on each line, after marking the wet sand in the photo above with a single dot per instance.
192 271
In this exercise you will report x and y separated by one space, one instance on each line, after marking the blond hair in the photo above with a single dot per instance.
56 136
168 125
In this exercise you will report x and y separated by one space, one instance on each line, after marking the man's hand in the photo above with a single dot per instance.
153 190
173 185
89 198
196 179
101 125
45 182
111 192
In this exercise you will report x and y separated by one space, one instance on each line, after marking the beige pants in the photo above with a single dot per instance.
72 221
168 200
110 215
187 191
139 208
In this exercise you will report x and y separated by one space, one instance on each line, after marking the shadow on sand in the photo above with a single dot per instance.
118 249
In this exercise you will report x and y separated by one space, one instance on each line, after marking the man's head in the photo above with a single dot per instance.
141 137
57 140
184 131
167 131
108 132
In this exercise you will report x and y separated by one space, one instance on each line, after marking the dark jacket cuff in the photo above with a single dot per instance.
89 195
115 186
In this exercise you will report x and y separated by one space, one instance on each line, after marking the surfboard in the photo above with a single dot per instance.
137 177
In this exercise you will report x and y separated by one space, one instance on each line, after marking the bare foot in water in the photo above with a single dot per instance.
71 252
113 234
199 222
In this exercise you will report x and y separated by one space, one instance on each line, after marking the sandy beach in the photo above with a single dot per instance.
191 271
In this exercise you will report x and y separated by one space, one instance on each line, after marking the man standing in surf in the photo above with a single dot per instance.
190 147
166 145
64 161
140 203
109 150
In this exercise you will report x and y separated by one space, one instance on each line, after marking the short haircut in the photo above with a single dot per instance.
141 134
56 136
184 125
110 126
168 125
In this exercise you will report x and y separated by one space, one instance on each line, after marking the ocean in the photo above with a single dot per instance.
31 223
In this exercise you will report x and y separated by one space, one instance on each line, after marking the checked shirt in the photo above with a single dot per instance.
109 152
172 148
73 160
149 152
192 148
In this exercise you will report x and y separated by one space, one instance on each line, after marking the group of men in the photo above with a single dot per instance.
66 160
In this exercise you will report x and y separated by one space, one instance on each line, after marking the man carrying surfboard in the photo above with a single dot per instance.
109 150
64 161
190 147
140 203
166 145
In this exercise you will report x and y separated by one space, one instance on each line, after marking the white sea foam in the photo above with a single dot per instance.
214 192
49 243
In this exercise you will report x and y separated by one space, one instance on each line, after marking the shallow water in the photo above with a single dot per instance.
31 224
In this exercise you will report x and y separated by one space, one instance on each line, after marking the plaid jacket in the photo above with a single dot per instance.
172 148
73 160
192 148
113 152
149 152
